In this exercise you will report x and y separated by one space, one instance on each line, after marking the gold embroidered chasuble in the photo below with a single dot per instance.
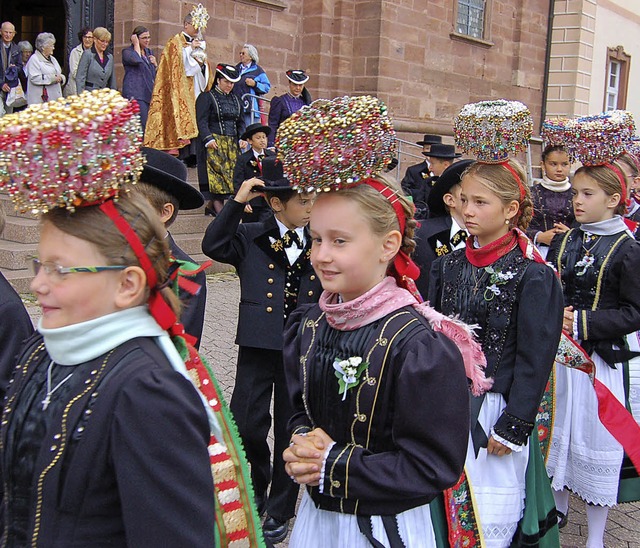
172 112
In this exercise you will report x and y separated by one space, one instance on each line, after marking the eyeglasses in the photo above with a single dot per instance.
87 37
101 40
57 272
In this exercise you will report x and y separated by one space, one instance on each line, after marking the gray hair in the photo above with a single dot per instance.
44 39
252 51
25 45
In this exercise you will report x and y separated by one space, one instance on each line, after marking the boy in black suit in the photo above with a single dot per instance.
272 259
164 184
249 165
443 232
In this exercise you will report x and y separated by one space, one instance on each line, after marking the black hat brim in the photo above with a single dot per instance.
443 156
449 178
251 131
162 172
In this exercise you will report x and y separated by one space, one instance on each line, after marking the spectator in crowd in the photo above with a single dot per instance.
253 81
181 78
285 105
10 56
26 51
86 43
43 72
96 67
139 71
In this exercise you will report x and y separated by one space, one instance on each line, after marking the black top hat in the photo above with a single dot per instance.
430 140
168 173
297 76
253 129
450 177
229 72
273 175
439 150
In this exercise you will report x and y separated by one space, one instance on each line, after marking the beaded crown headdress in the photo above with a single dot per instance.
333 144
599 139
553 131
493 130
70 152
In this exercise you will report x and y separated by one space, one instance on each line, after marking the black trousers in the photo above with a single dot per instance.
260 373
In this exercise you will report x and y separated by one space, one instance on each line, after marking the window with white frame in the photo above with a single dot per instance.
470 18
613 86
616 78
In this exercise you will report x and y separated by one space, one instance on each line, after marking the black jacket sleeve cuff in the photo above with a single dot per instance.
513 429
336 471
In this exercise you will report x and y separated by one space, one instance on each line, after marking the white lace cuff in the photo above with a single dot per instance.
515 448
324 462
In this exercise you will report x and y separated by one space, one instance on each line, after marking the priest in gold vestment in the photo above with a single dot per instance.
180 79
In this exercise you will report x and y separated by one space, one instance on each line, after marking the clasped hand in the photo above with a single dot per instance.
304 457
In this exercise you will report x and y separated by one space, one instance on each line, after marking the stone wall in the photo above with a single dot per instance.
404 51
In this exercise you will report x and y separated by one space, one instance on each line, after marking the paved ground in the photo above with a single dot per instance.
623 527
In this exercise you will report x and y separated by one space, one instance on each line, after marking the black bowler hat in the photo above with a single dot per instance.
450 177
253 129
229 72
439 150
168 173
430 140
297 76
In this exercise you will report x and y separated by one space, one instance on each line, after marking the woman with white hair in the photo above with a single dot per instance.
253 80
43 72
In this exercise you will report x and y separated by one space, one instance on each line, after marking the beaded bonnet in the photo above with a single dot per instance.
599 139
71 152
493 130
332 144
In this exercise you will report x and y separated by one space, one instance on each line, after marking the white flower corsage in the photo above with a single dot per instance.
348 372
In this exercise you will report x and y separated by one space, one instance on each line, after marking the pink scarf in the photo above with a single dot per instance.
387 297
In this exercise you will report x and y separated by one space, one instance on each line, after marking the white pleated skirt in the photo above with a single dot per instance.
315 528
497 483
583 456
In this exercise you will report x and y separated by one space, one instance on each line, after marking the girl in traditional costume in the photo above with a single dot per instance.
112 425
500 282
220 125
551 197
598 264
379 390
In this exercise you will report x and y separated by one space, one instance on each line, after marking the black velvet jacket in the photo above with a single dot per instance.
262 266
606 297
119 457
401 434
520 324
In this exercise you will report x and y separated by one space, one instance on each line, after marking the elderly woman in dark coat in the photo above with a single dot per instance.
140 67
96 67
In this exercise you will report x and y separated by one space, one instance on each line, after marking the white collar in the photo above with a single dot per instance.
555 186
257 154
283 230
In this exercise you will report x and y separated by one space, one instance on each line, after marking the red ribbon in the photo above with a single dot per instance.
159 308
405 268
623 182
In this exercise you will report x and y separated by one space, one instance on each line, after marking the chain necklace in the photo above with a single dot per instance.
587 261
50 391
477 279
